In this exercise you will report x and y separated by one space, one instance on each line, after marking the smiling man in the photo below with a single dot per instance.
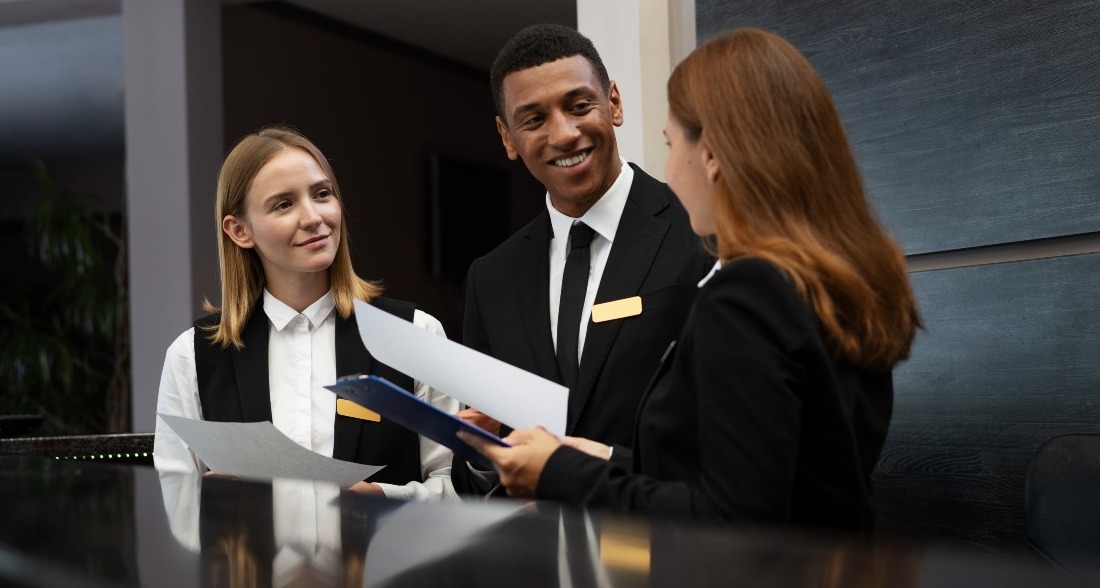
590 293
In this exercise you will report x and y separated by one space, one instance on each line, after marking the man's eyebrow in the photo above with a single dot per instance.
570 95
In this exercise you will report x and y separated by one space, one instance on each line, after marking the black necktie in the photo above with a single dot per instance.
574 286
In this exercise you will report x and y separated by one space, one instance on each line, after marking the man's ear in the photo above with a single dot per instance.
710 162
237 231
616 103
506 138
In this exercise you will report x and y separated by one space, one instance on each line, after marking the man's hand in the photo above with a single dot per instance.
368 489
479 419
521 465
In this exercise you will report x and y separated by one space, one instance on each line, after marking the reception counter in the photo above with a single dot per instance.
66 523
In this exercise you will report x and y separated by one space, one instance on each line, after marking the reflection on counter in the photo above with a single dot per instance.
70 524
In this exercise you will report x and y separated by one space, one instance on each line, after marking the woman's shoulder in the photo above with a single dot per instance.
394 306
409 311
760 289
209 321
184 345
751 273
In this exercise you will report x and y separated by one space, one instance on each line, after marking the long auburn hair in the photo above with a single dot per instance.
242 274
789 190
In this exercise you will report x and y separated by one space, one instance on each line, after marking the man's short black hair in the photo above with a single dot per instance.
539 44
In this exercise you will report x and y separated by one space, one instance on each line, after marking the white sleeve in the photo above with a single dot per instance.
435 459
180 493
178 396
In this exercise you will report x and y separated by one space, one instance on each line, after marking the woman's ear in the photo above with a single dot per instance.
710 162
237 231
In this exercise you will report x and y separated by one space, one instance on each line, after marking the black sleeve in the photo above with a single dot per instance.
739 359
622 456
473 336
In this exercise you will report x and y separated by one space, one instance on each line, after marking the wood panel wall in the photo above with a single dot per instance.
975 127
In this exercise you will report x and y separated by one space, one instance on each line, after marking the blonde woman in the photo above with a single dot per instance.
286 326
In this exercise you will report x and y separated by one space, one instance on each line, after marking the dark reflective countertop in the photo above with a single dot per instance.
66 523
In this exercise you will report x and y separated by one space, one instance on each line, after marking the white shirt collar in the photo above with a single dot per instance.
280 314
710 274
604 215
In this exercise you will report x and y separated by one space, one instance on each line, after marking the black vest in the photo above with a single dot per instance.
233 387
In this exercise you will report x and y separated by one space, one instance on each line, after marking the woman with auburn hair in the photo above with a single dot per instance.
286 326
773 404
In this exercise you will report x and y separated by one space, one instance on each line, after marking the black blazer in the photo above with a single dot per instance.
749 419
655 255
234 387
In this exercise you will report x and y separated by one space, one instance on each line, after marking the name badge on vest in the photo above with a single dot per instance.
617 309
345 407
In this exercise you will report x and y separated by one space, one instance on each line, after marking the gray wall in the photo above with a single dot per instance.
974 124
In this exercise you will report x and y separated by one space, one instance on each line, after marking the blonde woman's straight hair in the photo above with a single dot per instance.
242 275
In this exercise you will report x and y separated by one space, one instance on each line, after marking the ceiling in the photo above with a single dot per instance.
61 61
467 31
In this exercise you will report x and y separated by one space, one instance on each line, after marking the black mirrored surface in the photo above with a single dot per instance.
85 524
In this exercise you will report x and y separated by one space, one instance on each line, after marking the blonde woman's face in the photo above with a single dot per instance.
686 171
292 219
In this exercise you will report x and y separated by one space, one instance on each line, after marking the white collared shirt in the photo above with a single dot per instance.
301 361
603 218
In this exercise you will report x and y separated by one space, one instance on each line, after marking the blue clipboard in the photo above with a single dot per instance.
400 406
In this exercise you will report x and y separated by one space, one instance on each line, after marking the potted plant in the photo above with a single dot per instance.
64 329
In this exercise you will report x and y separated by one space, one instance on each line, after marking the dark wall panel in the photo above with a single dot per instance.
974 123
379 112
1009 359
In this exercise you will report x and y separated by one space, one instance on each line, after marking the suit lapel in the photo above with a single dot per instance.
351 358
532 288
637 240
250 366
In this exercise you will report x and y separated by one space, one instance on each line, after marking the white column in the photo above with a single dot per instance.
172 53
639 40
681 28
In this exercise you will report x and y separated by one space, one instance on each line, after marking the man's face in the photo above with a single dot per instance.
561 123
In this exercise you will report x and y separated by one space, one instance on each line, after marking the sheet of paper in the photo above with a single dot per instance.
513 396
412 535
260 451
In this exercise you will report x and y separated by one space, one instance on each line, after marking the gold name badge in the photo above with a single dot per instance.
617 309
348 408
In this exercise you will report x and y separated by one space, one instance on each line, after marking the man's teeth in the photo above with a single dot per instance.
571 161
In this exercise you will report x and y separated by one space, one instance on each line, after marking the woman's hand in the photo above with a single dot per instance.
521 465
593 448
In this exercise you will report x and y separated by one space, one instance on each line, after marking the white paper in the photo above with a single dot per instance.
413 535
510 395
260 451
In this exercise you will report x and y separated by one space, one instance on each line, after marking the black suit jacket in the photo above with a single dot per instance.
655 255
751 418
